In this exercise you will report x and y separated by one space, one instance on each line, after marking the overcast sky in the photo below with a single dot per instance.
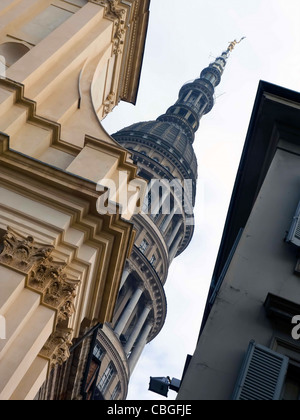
183 38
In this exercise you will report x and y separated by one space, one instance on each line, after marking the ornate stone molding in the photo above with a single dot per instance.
58 291
109 103
22 252
131 18
56 349
48 278
114 10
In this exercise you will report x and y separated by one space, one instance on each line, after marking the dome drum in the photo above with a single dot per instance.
212 70
175 147
181 122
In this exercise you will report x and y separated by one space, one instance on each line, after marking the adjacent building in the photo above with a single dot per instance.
249 347
82 289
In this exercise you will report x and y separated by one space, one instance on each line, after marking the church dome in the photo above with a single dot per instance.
166 136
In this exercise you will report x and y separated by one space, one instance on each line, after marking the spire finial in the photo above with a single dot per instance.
233 44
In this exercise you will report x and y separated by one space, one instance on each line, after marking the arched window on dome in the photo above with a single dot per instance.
156 159
12 52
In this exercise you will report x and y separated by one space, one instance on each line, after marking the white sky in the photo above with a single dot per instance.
183 38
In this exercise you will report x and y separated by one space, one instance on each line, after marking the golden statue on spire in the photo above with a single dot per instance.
233 44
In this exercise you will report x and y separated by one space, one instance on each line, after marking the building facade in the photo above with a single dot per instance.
64 66
163 151
249 343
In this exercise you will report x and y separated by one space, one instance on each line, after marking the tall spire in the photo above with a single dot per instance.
197 98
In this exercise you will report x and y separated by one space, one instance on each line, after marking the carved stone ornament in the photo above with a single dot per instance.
57 290
56 349
114 10
22 252
48 278
109 103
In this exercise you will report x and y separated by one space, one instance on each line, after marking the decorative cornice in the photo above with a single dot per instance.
55 128
131 23
63 189
136 45
32 117
113 10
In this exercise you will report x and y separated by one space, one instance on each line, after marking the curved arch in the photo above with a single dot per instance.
13 51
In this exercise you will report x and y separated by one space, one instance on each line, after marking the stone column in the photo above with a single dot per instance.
174 233
154 203
158 202
137 329
165 195
166 222
175 248
125 275
128 311
137 351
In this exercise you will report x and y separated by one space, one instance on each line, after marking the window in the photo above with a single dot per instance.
194 97
182 112
294 232
106 378
98 351
291 387
116 392
153 260
291 349
262 374
144 245
192 120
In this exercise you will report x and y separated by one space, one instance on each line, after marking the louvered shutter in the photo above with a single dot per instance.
262 375
294 233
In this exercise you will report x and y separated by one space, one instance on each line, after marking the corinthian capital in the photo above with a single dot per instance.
56 349
22 252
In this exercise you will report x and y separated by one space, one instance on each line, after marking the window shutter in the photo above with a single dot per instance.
294 233
262 375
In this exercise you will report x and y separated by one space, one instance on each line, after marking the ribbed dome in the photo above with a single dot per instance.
168 136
